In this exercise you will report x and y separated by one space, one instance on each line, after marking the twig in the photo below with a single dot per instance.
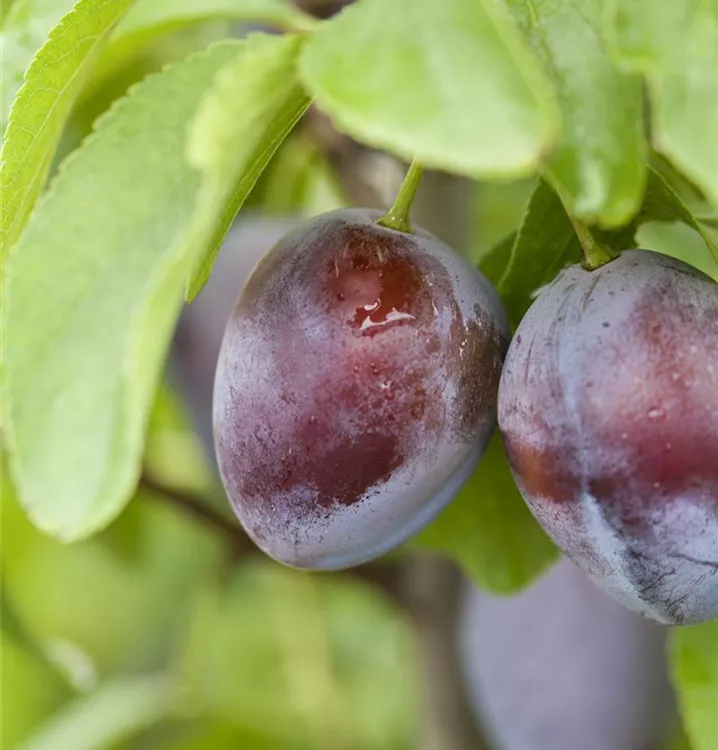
196 506
385 576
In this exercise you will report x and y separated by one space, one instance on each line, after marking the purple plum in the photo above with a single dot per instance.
355 390
608 407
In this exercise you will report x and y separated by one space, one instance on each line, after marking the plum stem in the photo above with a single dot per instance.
595 253
398 216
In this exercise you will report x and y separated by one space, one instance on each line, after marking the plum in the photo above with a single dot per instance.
198 337
355 390
608 407
563 666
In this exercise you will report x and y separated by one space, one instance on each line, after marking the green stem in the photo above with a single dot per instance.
398 216
595 253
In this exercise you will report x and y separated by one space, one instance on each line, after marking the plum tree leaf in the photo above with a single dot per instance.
448 83
232 143
662 203
489 530
149 19
24 30
114 712
679 241
694 660
108 228
339 637
122 225
15 627
546 241
675 45
599 166
52 83
300 181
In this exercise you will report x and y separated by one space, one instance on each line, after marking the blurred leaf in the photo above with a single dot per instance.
694 659
174 454
323 191
676 45
678 241
150 19
254 103
299 181
496 212
14 627
27 696
218 735
43 104
5 6
122 615
115 711
662 203
111 317
448 83
123 537
599 166
489 530
24 30
679 741
313 660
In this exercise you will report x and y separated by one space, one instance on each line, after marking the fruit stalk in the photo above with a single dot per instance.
398 216
594 253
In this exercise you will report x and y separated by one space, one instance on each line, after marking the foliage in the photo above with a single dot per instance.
95 266
694 652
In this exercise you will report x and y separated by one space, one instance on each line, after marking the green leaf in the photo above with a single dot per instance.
447 83
27 695
232 142
223 735
546 241
675 44
52 83
489 530
300 181
24 30
496 211
599 167
111 228
150 19
122 226
310 661
694 660
114 712
116 615
662 203
678 241
14 627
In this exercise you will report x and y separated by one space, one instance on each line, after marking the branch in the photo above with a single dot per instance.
385 576
196 506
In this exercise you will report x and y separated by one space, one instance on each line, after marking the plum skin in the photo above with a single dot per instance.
355 389
608 408
588 673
